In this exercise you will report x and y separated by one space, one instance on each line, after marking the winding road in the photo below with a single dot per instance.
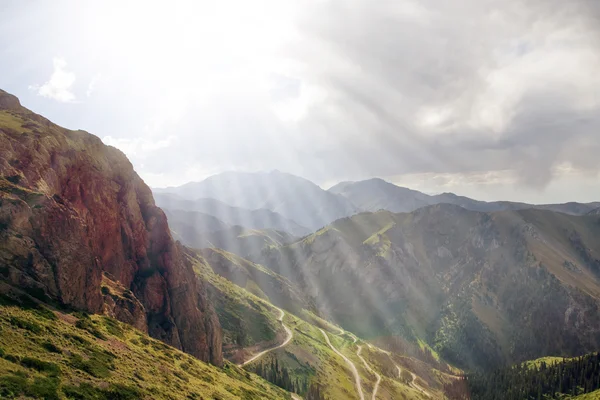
368 367
290 335
413 384
350 364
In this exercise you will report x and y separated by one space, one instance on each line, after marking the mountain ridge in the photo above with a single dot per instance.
293 197
375 194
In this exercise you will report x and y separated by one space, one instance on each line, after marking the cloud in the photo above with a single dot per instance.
58 87
342 90
138 148
92 85
484 86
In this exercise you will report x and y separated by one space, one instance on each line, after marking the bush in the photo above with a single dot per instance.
17 385
12 386
11 358
41 366
51 347
45 313
78 339
123 392
86 391
95 366
181 375
44 388
113 327
25 324
87 325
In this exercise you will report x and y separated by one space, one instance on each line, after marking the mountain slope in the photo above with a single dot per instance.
188 227
72 213
291 196
184 224
55 355
377 194
481 288
235 216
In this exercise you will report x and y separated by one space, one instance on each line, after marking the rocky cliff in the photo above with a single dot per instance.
79 226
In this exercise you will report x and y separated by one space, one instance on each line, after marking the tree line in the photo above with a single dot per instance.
541 381
280 376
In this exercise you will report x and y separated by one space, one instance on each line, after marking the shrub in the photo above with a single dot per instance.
12 359
14 179
95 366
113 327
105 290
181 375
41 366
45 313
86 391
123 392
51 347
44 388
87 325
17 385
25 324
12 386
83 391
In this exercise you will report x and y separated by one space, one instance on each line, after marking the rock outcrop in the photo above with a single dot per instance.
73 210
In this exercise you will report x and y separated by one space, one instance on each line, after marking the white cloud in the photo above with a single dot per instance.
58 87
138 148
92 85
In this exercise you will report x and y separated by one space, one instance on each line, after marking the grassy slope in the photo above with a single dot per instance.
246 318
49 354
589 396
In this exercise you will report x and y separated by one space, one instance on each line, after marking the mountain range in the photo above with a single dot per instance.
272 201
266 286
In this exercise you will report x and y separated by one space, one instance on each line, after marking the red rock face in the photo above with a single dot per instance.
72 208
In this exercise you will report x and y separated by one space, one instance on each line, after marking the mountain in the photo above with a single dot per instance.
75 217
252 219
190 223
377 194
481 288
293 197
595 211
200 231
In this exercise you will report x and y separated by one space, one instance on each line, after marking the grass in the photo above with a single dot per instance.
246 319
588 396
11 121
63 358
548 360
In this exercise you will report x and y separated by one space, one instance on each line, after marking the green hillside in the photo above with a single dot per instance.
57 355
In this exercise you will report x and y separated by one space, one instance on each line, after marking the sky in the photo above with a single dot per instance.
496 100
